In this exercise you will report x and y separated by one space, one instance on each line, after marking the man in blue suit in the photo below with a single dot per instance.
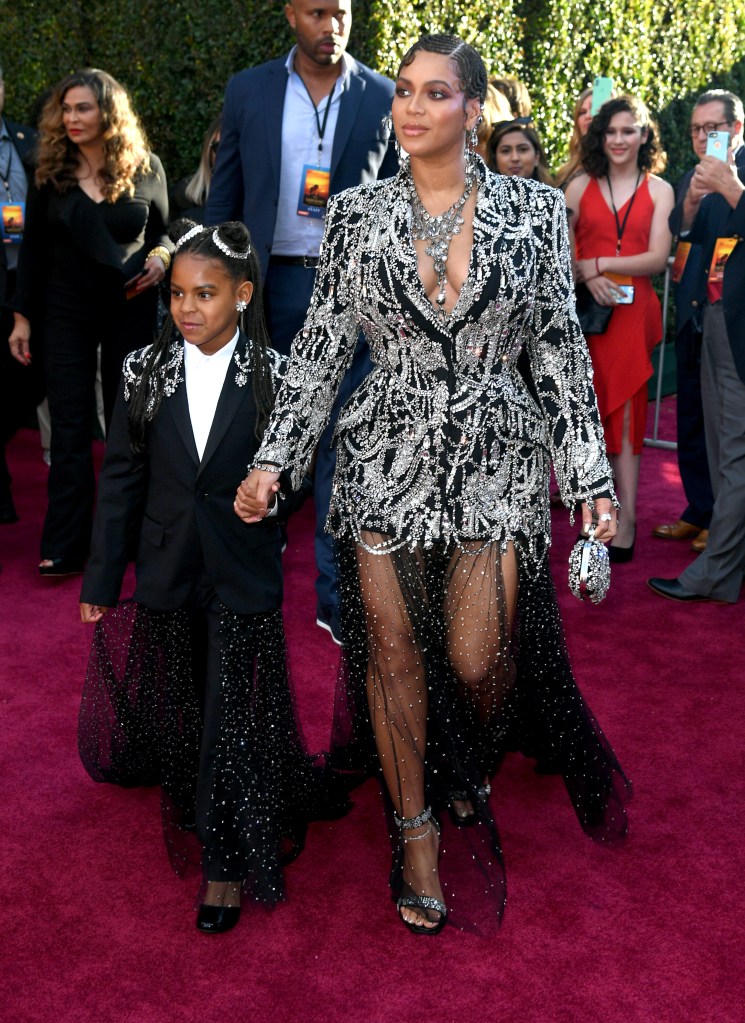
294 131
711 215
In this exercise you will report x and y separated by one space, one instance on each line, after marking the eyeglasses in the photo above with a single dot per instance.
696 129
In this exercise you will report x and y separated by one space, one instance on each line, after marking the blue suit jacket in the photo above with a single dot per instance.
245 184
715 219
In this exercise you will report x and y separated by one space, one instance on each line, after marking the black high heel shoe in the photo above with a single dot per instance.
408 898
621 555
462 817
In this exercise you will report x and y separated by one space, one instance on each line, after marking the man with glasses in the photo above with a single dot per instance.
709 222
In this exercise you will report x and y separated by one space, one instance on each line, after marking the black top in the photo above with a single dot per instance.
75 246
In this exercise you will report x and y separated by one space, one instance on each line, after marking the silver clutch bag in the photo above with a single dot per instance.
589 569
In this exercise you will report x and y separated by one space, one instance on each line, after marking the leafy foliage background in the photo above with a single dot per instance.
175 56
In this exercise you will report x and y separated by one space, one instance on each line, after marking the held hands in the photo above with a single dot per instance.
607 524
19 340
92 613
256 495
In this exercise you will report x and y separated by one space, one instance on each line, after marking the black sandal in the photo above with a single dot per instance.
408 897
461 817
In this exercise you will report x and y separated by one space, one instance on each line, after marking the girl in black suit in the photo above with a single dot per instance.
94 248
188 686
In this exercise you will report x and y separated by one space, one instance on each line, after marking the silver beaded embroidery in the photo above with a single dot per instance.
445 440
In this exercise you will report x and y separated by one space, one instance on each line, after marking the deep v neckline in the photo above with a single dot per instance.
449 315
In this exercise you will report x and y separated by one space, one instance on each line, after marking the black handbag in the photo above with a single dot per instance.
593 317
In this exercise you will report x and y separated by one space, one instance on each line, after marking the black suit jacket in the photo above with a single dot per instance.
24 139
715 219
178 510
245 184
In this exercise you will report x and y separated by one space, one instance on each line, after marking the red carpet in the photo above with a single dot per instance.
96 928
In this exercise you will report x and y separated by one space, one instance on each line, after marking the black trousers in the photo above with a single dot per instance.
72 333
21 389
692 456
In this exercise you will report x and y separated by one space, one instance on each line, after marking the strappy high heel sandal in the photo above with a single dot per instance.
461 816
409 898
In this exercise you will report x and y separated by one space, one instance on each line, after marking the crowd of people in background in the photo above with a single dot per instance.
88 251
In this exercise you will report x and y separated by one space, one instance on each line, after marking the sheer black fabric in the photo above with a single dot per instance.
241 809
455 655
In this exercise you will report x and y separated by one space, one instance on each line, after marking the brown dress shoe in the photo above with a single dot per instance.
679 530
699 544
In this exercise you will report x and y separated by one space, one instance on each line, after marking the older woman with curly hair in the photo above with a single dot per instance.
618 213
94 249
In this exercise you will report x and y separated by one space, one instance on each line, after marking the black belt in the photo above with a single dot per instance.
309 262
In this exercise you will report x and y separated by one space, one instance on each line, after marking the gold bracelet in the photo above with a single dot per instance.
162 253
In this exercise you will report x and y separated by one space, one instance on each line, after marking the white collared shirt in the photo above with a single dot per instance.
294 235
205 377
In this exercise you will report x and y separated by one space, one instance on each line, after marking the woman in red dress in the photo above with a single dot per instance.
618 211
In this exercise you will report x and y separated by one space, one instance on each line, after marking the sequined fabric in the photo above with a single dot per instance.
141 722
171 371
454 647
445 439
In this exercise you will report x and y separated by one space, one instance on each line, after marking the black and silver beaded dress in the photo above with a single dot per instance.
187 684
442 484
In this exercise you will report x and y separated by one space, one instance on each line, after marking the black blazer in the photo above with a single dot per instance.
24 139
178 511
245 185
67 233
715 219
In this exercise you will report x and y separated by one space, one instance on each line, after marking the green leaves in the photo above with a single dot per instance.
176 58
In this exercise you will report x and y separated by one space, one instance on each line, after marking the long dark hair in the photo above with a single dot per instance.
527 130
651 159
148 391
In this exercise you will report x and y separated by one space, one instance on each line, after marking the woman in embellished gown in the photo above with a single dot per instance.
622 238
454 650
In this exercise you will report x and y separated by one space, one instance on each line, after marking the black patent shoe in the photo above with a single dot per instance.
217 919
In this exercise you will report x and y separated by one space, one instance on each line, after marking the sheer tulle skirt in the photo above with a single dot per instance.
242 811
456 656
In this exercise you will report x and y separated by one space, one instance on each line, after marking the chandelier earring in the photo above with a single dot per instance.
472 136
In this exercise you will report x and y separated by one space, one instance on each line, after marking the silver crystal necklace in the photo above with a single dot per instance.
439 231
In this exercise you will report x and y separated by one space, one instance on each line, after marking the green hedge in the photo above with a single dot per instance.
175 57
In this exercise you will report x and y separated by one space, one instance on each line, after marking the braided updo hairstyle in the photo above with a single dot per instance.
472 76
148 390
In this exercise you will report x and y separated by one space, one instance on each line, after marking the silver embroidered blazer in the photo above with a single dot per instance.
447 439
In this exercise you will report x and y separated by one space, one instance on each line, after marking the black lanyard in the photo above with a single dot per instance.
6 147
321 125
621 227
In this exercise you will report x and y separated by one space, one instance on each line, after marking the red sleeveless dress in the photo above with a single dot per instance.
621 356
